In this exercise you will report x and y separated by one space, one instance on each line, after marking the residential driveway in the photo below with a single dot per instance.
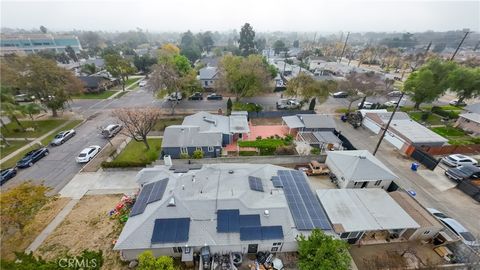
432 189
101 182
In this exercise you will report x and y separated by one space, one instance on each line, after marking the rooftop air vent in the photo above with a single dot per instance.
230 172
171 202
209 120
266 213
362 157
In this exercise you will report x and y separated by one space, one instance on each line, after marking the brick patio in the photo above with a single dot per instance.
255 131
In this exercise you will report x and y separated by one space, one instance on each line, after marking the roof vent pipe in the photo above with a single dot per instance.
266 213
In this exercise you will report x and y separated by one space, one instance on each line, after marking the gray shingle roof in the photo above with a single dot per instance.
309 121
359 165
474 108
189 136
208 122
208 73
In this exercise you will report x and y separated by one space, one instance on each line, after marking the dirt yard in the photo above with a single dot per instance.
19 241
88 226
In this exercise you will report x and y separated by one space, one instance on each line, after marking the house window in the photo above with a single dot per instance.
184 150
198 148
377 183
274 249
206 83
177 249
426 232
277 244
210 149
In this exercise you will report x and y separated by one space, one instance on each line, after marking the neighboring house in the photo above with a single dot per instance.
207 77
403 132
358 169
469 122
33 43
472 108
94 84
367 216
309 123
321 139
183 139
225 207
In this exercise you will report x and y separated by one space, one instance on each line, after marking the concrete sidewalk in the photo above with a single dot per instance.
127 88
35 141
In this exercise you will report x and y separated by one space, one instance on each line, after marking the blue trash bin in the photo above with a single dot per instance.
414 166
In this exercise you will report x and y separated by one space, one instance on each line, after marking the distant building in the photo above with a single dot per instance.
208 76
33 43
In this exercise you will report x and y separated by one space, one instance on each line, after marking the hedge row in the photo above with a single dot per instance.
124 164
444 113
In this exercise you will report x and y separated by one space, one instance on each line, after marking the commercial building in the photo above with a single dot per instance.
32 43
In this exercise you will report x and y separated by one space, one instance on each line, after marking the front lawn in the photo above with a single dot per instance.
131 80
72 124
40 127
14 145
163 123
433 119
135 154
249 107
267 146
455 136
99 95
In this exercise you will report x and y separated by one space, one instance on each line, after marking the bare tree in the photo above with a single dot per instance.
138 122
360 85
165 78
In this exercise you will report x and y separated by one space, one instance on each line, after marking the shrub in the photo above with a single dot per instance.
444 113
266 146
259 138
124 164
285 150
247 153
197 154
424 116
184 156
288 139
315 151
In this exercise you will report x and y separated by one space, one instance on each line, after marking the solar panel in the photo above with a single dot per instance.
184 168
158 190
272 232
306 210
228 220
276 182
142 200
255 183
251 233
181 170
172 230
249 221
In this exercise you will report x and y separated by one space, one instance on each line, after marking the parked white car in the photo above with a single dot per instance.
142 83
366 105
456 160
175 96
88 153
466 236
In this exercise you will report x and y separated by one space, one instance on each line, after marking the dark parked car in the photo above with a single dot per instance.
214 97
340 94
31 157
7 174
464 172
196 96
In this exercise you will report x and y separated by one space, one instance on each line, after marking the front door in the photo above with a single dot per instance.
252 248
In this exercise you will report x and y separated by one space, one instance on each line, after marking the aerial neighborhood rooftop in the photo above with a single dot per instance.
237 147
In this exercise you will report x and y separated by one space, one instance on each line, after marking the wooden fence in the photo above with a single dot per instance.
452 149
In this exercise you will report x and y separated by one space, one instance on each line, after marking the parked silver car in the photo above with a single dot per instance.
111 130
62 137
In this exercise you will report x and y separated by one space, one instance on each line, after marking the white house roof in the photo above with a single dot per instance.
474 108
415 133
357 210
198 194
189 136
208 122
309 121
358 165
239 124
293 121
208 73
475 117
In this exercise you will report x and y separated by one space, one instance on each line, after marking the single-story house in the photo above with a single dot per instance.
184 139
308 122
208 76
321 139
403 132
93 84
469 122
225 207
472 108
367 216
358 169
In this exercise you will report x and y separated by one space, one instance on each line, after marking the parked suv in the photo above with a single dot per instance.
111 130
458 159
286 104
464 172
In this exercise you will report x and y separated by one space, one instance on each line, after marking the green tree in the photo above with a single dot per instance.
30 109
296 43
311 107
9 107
465 82
243 77
307 87
189 47
43 29
322 252
205 41
279 46
89 68
119 68
229 106
197 154
246 42
146 261
71 53
144 63
260 44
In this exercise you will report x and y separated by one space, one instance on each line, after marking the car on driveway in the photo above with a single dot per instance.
31 157
466 236
62 137
456 103
464 172
366 105
458 159
196 96
214 96
88 153
340 94
7 174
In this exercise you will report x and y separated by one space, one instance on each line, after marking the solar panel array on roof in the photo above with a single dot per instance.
150 193
184 168
306 210
276 182
249 221
261 233
255 183
228 220
171 230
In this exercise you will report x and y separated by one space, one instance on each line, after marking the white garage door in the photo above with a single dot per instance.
371 125
397 142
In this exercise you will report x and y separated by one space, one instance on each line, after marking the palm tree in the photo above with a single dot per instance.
12 110
31 109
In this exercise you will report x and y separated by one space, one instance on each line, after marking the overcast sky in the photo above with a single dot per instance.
264 15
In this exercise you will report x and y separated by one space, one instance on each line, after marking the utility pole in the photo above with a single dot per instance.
458 47
344 47
428 48
388 124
